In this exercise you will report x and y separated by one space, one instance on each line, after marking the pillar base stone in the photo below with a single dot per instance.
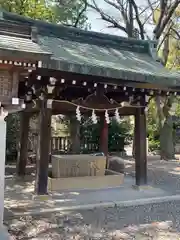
45 197
142 187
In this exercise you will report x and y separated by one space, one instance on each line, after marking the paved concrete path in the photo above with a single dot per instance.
164 178
19 197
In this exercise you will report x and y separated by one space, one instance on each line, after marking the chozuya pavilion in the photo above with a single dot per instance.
54 69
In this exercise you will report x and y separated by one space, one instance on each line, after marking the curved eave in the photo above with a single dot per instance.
166 79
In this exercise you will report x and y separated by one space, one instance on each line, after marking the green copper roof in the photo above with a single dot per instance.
14 45
99 54
106 61
25 45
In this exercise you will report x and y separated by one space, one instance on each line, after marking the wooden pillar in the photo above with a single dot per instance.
104 138
23 143
43 149
140 147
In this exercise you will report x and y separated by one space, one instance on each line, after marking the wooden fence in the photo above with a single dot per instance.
60 145
63 144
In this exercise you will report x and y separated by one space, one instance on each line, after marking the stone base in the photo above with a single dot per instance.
80 165
143 187
89 182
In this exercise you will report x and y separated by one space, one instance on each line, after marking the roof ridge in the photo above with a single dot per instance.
11 28
75 34
43 24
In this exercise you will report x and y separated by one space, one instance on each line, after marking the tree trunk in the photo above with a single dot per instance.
75 135
167 148
167 140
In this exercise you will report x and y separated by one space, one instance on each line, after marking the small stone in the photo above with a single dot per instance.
116 164
132 229
164 225
77 237
118 235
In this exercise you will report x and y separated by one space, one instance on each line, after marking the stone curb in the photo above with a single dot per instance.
129 203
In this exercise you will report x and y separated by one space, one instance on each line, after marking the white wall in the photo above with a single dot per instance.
2 165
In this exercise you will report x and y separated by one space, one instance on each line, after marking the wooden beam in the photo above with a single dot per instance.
69 76
65 108
68 109
140 147
43 148
23 143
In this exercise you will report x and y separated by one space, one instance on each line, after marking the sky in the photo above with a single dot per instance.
99 25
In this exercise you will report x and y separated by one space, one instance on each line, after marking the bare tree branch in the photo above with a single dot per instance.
165 50
163 7
153 9
141 27
150 5
113 4
162 41
123 12
165 19
176 32
80 14
106 17
147 19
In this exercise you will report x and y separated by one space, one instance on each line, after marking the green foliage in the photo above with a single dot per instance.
177 111
12 135
89 132
68 13
60 126
50 11
29 8
174 42
118 134
153 127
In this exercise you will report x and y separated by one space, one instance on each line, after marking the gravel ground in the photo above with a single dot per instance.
161 174
102 223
